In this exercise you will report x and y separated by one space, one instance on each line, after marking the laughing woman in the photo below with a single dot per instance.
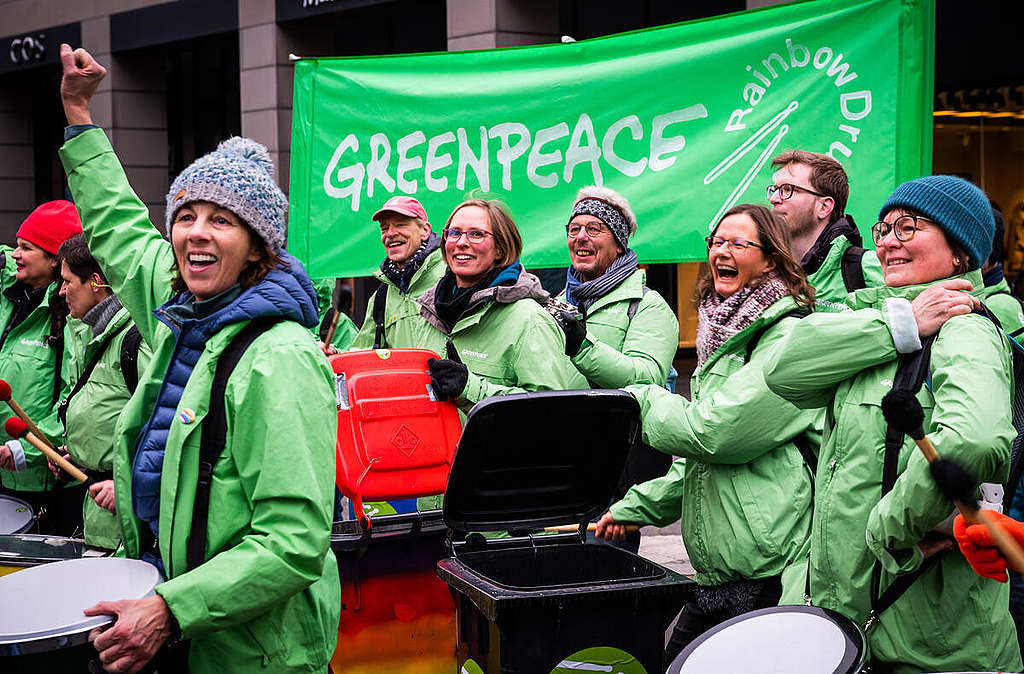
933 235
740 481
262 594
490 310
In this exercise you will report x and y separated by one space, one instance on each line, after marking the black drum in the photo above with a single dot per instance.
777 640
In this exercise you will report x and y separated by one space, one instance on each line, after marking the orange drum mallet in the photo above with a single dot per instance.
5 395
16 428
902 410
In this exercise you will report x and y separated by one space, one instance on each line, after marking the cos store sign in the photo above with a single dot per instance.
18 52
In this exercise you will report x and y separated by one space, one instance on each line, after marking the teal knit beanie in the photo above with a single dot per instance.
960 208
238 176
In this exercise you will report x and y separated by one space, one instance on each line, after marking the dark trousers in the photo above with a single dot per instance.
58 511
693 621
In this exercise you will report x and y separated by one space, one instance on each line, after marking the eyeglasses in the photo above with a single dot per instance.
474 235
904 228
593 229
785 191
731 244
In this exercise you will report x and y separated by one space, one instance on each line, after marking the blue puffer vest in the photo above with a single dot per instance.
286 292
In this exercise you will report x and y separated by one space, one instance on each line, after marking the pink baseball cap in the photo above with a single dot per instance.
403 206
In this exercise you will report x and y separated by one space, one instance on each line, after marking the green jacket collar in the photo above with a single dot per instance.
874 297
737 343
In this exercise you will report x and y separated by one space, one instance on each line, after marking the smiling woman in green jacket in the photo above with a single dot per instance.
740 482
933 234
262 594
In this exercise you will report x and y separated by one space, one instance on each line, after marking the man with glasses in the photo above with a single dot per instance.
809 191
411 266
629 334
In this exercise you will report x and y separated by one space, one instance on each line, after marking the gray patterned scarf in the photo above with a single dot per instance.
719 319
582 294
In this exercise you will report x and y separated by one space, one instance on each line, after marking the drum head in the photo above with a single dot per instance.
50 599
33 549
781 639
15 515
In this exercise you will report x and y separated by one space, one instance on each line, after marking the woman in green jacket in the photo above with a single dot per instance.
32 355
101 333
740 480
933 235
491 312
262 594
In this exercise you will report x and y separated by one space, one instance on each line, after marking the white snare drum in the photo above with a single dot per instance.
16 516
43 604
780 639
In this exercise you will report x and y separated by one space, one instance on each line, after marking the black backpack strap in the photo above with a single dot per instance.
58 367
631 309
380 297
755 339
214 434
910 375
62 407
130 357
853 272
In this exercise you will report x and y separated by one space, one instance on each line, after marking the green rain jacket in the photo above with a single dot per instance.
1004 305
28 364
829 289
346 330
403 325
268 597
94 410
617 351
510 343
950 619
741 485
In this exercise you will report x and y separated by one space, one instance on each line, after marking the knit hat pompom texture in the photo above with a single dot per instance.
959 207
238 176
611 207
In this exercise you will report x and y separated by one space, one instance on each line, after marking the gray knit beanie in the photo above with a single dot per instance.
238 176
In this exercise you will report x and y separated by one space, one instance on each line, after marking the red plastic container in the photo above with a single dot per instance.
395 440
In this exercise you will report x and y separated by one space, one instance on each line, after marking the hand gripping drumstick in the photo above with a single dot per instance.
16 428
903 412
5 395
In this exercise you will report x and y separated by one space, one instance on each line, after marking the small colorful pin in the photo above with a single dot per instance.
186 415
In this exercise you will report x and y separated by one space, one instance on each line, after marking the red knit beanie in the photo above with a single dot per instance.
50 225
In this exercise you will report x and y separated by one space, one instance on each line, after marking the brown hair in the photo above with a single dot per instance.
506 234
251 274
827 176
775 240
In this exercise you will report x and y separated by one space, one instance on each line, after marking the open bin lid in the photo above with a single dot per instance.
531 460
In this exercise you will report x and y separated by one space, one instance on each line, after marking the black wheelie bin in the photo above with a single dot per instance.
536 601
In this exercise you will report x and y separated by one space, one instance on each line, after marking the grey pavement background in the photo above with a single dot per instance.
664 546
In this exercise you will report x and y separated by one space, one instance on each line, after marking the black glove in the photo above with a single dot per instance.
575 328
447 377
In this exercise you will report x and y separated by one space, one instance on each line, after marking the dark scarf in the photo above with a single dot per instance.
25 299
451 302
402 276
582 294
817 253
720 319
994 275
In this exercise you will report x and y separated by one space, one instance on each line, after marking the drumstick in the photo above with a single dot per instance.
903 412
16 428
5 395
592 526
332 328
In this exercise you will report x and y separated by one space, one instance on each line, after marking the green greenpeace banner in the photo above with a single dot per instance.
683 120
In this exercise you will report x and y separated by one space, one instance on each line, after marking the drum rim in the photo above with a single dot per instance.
32 513
853 659
28 561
